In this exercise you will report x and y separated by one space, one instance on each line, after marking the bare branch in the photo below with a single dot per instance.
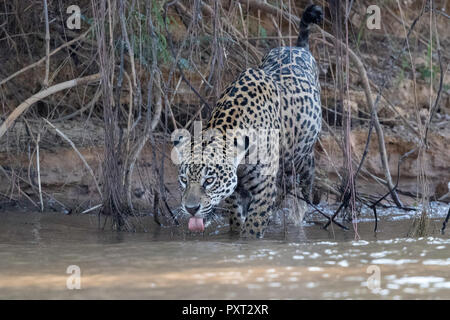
43 94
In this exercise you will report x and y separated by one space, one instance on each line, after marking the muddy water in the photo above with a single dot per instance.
166 263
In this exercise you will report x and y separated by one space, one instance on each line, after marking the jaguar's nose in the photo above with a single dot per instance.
192 210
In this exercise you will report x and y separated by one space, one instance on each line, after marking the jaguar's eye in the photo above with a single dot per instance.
209 181
183 180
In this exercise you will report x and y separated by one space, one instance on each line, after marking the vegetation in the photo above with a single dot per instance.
140 69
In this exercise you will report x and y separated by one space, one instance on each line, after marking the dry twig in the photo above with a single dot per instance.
43 94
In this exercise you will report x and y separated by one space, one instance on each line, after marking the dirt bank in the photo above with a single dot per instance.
65 178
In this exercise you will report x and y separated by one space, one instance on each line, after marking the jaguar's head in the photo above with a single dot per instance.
204 187
205 179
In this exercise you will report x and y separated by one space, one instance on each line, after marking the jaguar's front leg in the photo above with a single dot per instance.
261 206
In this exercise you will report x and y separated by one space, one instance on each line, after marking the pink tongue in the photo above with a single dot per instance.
196 224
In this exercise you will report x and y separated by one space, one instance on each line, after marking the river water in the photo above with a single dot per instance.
41 255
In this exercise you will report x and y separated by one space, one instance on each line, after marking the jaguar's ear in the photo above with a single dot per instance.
181 146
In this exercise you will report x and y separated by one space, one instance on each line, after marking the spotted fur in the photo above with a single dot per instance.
281 97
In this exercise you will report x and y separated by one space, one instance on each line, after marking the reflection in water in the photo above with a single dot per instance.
36 249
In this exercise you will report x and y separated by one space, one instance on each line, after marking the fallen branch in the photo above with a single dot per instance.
43 94
92 209
330 219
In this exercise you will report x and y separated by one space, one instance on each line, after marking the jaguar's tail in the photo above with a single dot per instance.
312 14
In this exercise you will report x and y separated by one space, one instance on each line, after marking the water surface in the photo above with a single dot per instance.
168 263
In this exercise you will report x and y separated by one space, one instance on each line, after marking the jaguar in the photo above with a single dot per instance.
263 127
